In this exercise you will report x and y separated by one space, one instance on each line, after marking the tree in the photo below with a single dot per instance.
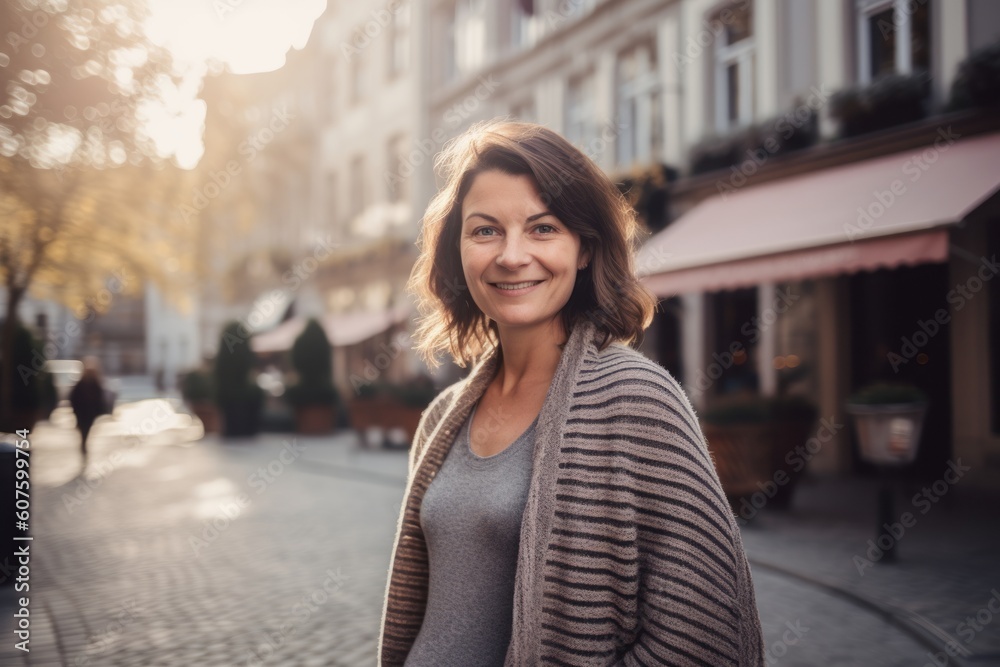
85 196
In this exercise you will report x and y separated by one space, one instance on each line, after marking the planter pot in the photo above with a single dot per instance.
379 414
888 434
743 455
314 419
240 420
207 413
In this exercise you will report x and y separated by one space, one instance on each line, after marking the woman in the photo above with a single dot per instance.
88 401
561 505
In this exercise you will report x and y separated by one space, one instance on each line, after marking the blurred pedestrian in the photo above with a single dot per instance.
561 505
88 399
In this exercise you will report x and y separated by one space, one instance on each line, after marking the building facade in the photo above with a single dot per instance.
645 85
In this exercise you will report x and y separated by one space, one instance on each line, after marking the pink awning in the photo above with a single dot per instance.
342 329
831 260
878 213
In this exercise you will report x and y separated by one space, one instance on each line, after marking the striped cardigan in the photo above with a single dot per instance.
629 553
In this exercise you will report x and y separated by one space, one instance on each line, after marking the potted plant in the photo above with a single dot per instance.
888 419
197 391
647 190
239 398
977 83
313 397
894 99
775 136
750 437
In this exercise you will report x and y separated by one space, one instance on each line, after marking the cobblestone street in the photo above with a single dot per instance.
187 551
265 552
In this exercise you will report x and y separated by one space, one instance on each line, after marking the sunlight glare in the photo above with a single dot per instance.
247 35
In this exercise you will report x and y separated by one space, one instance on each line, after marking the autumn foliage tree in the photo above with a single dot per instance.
85 193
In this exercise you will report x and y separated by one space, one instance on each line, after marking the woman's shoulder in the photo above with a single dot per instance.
619 364
624 381
633 401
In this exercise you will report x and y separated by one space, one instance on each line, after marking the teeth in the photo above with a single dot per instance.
513 286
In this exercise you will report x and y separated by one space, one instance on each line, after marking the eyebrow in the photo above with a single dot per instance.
532 218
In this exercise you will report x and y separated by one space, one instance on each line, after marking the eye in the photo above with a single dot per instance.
546 228
484 231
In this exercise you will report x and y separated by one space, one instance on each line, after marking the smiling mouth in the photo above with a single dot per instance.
516 286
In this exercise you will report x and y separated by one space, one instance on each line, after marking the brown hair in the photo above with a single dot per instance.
573 188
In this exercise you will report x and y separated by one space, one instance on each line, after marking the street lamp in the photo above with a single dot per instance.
888 420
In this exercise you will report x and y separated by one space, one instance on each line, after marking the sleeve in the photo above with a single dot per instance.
696 603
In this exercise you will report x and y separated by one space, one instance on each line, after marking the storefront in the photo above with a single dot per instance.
822 282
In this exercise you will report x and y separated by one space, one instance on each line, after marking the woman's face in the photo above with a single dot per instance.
519 260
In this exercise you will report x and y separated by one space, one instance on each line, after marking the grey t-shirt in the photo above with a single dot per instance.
471 518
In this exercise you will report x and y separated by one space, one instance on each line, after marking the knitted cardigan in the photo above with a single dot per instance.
629 553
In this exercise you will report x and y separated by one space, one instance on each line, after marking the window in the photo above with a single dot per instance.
730 311
396 180
893 37
399 42
470 35
734 56
639 116
449 67
581 111
357 194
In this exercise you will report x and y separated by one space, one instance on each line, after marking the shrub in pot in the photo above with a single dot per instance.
198 393
888 419
313 397
239 398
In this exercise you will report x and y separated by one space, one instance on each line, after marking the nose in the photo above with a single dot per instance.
514 252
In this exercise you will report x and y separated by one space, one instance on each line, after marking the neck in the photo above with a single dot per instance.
530 356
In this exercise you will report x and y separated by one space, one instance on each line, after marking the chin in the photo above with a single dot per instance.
517 323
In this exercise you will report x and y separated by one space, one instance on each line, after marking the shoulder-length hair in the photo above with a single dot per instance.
576 191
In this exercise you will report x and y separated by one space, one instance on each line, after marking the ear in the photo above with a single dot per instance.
584 261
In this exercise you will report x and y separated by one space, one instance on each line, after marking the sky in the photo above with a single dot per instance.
247 36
